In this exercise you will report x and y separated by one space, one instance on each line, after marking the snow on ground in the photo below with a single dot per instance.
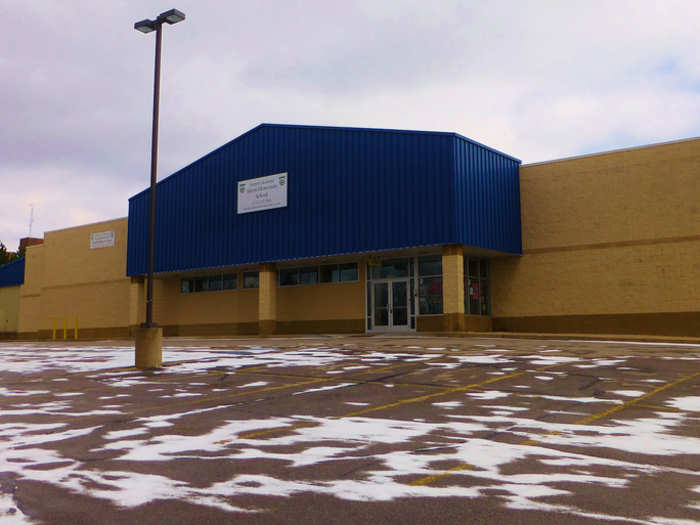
9 513
256 383
420 448
628 393
689 403
322 388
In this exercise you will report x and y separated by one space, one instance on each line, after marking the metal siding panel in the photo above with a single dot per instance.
350 190
488 203
12 273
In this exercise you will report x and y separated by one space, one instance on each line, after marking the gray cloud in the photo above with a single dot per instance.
535 79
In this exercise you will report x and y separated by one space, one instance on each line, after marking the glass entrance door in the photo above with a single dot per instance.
390 304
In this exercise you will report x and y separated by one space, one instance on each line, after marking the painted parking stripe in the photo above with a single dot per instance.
429 479
417 399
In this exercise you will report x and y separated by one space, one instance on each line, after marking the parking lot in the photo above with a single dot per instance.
343 429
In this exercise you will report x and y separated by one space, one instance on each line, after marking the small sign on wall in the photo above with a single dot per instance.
102 240
263 193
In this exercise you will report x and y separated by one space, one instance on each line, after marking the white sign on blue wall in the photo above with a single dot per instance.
263 193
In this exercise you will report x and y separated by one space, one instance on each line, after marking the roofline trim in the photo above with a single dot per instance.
85 225
334 128
610 151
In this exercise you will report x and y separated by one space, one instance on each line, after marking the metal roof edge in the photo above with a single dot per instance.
212 152
86 224
357 128
333 128
611 151
488 148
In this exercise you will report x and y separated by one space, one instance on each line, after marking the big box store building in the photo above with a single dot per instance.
307 229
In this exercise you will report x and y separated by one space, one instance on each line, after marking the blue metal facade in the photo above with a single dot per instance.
12 273
350 190
487 198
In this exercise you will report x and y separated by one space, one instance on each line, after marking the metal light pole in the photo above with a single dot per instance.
148 340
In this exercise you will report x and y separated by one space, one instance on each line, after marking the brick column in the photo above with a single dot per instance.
267 299
453 287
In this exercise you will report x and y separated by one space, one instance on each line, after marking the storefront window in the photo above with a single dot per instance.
476 286
251 280
348 272
430 265
336 273
430 284
211 283
430 295
308 275
325 273
391 268
289 276
229 282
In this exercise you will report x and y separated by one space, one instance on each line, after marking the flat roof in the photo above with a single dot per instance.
607 152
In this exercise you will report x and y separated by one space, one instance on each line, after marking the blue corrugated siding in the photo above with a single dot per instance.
350 190
12 274
487 196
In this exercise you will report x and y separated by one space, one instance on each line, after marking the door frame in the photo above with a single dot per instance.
390 299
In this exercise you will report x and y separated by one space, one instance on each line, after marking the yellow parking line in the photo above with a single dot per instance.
417 399
429 479
634 401
584 421
224 396
446 392
657 407
275 430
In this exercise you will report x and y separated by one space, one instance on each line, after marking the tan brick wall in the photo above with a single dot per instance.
171 307
324 301
96 305
69 259
608 234
646 193
453 279
9 308
65 279
267 294
627 279
30 291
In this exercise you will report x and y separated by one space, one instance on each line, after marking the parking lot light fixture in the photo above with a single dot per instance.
148 345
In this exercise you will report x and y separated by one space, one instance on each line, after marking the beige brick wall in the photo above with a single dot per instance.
613 233
171 307
646 193
65 279
324 301
30 291
267 294
70 261
96 305
453 279
627 279
9 308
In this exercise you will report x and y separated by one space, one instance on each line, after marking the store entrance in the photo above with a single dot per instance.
390 302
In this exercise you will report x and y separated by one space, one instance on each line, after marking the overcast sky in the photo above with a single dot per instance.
537 79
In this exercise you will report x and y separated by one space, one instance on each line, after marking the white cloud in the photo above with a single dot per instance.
538 80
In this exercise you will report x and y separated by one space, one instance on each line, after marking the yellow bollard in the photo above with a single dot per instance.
53 332
75 329
65 328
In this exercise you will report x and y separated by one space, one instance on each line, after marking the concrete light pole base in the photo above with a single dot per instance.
149 347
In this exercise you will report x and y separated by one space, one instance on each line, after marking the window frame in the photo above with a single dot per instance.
336 267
